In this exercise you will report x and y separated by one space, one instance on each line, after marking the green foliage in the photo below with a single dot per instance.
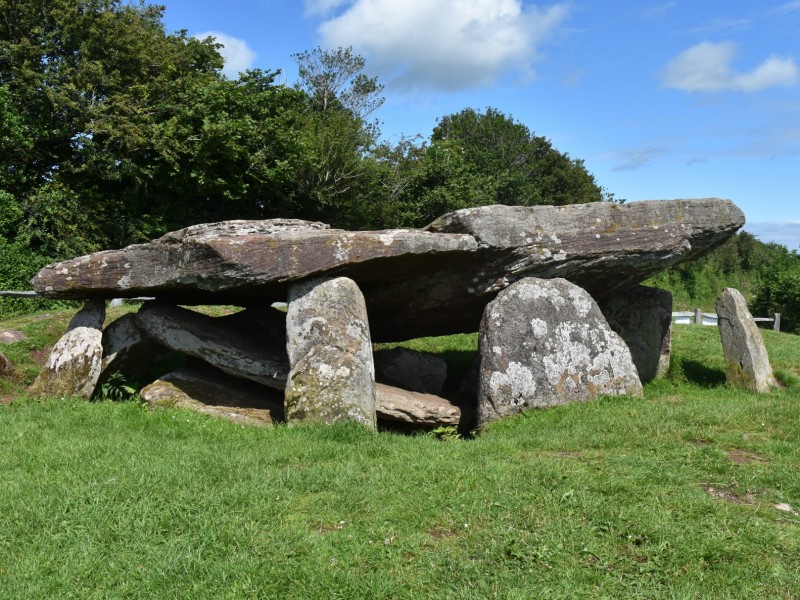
742 262
477 159
779 292
119 388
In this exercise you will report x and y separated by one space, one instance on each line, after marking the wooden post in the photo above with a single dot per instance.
776 325
698 317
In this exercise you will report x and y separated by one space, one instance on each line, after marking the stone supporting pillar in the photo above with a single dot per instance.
331 371
642 316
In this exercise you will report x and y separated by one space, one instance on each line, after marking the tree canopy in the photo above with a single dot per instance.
114 130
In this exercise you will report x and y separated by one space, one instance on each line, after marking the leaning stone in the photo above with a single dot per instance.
411 370
746 361
74 364
250 355
332 376
212 392
126 349
414 408
545 342
642 316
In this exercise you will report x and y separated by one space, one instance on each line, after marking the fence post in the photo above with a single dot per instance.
698 317
776 325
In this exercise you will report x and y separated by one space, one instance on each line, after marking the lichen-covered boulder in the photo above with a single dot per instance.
75 362
746 361
642 316
126 349
332 375
411 370
544 343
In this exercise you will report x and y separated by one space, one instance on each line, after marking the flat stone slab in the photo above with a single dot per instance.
211 392
414 408
433 281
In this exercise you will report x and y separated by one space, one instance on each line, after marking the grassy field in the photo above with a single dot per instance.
691 492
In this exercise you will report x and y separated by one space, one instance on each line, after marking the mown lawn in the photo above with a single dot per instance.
686 493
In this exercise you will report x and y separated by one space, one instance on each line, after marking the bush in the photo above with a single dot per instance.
779 291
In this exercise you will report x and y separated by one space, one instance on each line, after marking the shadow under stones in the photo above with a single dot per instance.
698 373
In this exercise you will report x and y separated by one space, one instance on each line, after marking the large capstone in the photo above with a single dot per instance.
642 316
75 362
544 343
332 375
434 281
746 361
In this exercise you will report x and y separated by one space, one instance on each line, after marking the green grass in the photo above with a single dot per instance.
669 496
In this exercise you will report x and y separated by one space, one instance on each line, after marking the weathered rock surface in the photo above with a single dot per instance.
604 248
74 364
212 392
642 316
746 361
545 342
215 341
411 370
414 408
451 270
332 375
242 262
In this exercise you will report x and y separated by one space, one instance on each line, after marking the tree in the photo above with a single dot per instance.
337 181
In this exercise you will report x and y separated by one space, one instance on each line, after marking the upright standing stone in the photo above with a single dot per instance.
545 342
75 362
642 316
746 361
332 375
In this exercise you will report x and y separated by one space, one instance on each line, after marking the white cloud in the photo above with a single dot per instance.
237 54
706 67
787 7
659 10
784 233
444 44
322 7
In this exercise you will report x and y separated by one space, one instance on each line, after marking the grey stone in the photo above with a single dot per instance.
642 316
214 393
332 376
544 343
218 342
411 370
746 360
414 408
75 362
451 270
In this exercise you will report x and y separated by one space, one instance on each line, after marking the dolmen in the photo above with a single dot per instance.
553 291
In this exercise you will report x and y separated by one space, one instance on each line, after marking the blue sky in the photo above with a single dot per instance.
671 99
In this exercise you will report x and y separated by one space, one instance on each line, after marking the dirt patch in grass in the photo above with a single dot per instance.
728 495
744 457
40 355
701 441
439 533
